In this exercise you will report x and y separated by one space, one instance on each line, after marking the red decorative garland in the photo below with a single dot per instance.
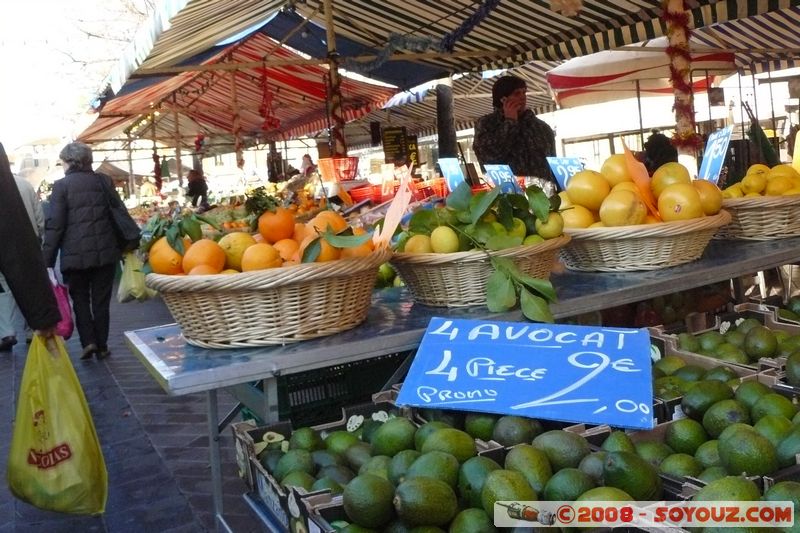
265 109
678 77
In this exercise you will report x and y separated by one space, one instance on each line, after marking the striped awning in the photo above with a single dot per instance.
203 102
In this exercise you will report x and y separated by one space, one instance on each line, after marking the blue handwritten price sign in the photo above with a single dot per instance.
451 169
502 176
714 154
563 168
575 374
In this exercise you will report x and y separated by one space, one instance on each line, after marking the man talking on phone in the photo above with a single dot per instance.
512 134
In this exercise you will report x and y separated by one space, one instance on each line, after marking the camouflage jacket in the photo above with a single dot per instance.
522 144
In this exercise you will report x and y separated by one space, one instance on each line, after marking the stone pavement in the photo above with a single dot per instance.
155 445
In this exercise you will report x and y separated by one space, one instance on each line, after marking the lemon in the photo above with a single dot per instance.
552 228
444 240
734 191
754 183
778 185
577 216
418 244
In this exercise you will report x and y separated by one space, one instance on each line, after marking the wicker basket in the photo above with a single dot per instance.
642 247
762 218
269 307
459 279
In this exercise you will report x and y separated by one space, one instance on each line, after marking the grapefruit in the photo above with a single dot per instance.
710 196
615 170
622 208
588 188
668 174
680 201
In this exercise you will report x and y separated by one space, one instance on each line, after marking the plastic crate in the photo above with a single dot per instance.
318 396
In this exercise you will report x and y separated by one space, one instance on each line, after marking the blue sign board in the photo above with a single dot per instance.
451 168
563 168
575 374
714 155
502 176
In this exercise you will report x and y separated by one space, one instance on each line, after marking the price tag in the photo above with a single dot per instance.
563 168
451 169
714 155
578 374
502 176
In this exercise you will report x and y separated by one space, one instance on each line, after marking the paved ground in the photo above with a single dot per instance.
155 446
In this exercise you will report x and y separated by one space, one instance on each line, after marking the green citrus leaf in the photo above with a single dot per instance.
505 213
501 242
342 240
534 307
174 239
481 202
423 221
481 231
504 264
312 251
459 198
539 202
542 286
210 221
500 292
191 228
517 201
446 216
555 202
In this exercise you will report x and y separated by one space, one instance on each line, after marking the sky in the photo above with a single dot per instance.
51 66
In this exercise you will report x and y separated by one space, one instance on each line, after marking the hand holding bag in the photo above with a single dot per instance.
55 461
126 229
65 326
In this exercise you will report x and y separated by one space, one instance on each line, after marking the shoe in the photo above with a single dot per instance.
7 343
88 352
102 353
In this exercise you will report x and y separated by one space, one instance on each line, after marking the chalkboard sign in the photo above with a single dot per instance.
714 155
563 168
502 176
394 145
412 152
576 374
451 168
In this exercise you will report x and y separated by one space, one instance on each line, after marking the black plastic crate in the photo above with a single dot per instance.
317 396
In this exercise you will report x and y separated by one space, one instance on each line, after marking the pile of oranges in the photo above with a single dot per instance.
761 180
280 242
611 198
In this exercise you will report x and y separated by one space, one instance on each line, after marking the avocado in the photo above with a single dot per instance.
437 465
669 364
793 369
690 373
707 454
564 449
773 427
338 441
269 460
323 458
513 430
592 465
425 430
749 392
567 485
327 483
722 414
532 463
340 474
788 448
703 395
367 501
425 501
618 441
306 439
747 452
453 441
632 474
711 473
504 485
729 488
294 461
298 478
785 491
394 435
760 342
357 455
400 463
480 425
685 435
680 465
688 342
377 465
773 404
605 494
471 477
472 521
720 373
653 452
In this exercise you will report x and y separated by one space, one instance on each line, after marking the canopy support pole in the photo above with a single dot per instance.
445 122
771 108
130 165
641 120
178 164
338 146
237 123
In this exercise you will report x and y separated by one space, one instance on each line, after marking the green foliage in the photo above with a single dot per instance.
259 200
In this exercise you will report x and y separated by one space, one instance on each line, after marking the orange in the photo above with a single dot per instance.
588 188
164 259
362 250
615 170
622 208
577 216
625 185
234 244
260 256
287 248
202 270
710 196
276 225
680 201
300 232
258 237
229 271
328 218
666 175
204 252
328 252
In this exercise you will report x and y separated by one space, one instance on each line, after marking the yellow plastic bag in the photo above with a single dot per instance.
55 461
131 284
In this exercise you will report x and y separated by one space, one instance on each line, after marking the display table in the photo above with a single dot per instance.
395 324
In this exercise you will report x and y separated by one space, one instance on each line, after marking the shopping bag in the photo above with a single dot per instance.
65 327
55 461
131 284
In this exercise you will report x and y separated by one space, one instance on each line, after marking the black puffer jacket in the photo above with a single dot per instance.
79 223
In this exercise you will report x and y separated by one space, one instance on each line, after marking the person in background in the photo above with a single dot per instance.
307 167
197 189
658 149
512 134
80 227
9 311
148 190
21 267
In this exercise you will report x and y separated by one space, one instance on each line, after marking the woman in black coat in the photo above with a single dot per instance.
79 225
21 260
